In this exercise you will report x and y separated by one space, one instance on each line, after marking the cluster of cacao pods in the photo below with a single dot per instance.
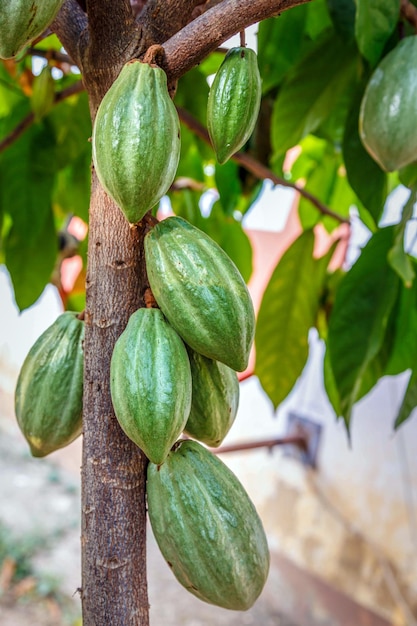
173 371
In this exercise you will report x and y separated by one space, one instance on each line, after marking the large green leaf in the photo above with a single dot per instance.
375 21
364 175
279 45
318 19
310 92
360 316
26 182
343 14
288 311
30 261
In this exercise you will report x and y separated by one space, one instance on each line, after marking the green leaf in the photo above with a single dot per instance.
310 92
191 163
375 22
404 349
408 175
228 185
409 402
30 261
326 181
288 311
11 94
192 94
71 124
342 13
72 187
330 385
318 18
279 45
366 178
397 257
360 316
26 183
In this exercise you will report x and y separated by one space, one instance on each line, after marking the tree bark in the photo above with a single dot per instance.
114 587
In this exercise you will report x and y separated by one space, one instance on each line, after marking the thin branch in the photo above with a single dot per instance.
204 34
258 169
69 26
27 121
409 12
50 55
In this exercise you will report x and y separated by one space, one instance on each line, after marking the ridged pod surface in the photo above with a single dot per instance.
200 291
23 20
234 101
136 139
388 114
150 382
49 390
207 528
215 399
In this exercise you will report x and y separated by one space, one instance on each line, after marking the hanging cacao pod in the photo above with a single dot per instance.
214 401
49 390
388 118
234 101
207 528
24 20
150 382
136 139
200 291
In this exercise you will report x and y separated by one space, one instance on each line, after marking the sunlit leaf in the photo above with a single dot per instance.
360 316
288 311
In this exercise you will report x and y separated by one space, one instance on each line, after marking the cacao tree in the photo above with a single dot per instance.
331 78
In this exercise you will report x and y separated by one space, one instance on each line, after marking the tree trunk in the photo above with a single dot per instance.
114 586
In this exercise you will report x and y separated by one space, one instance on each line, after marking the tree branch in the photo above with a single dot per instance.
69 25
204 34
27 121
258 169
161 19
50 55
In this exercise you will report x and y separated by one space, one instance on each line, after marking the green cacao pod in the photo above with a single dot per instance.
200 291
388 116
233 103
215 399
150 382
207 528
49 391
136 139
24 20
